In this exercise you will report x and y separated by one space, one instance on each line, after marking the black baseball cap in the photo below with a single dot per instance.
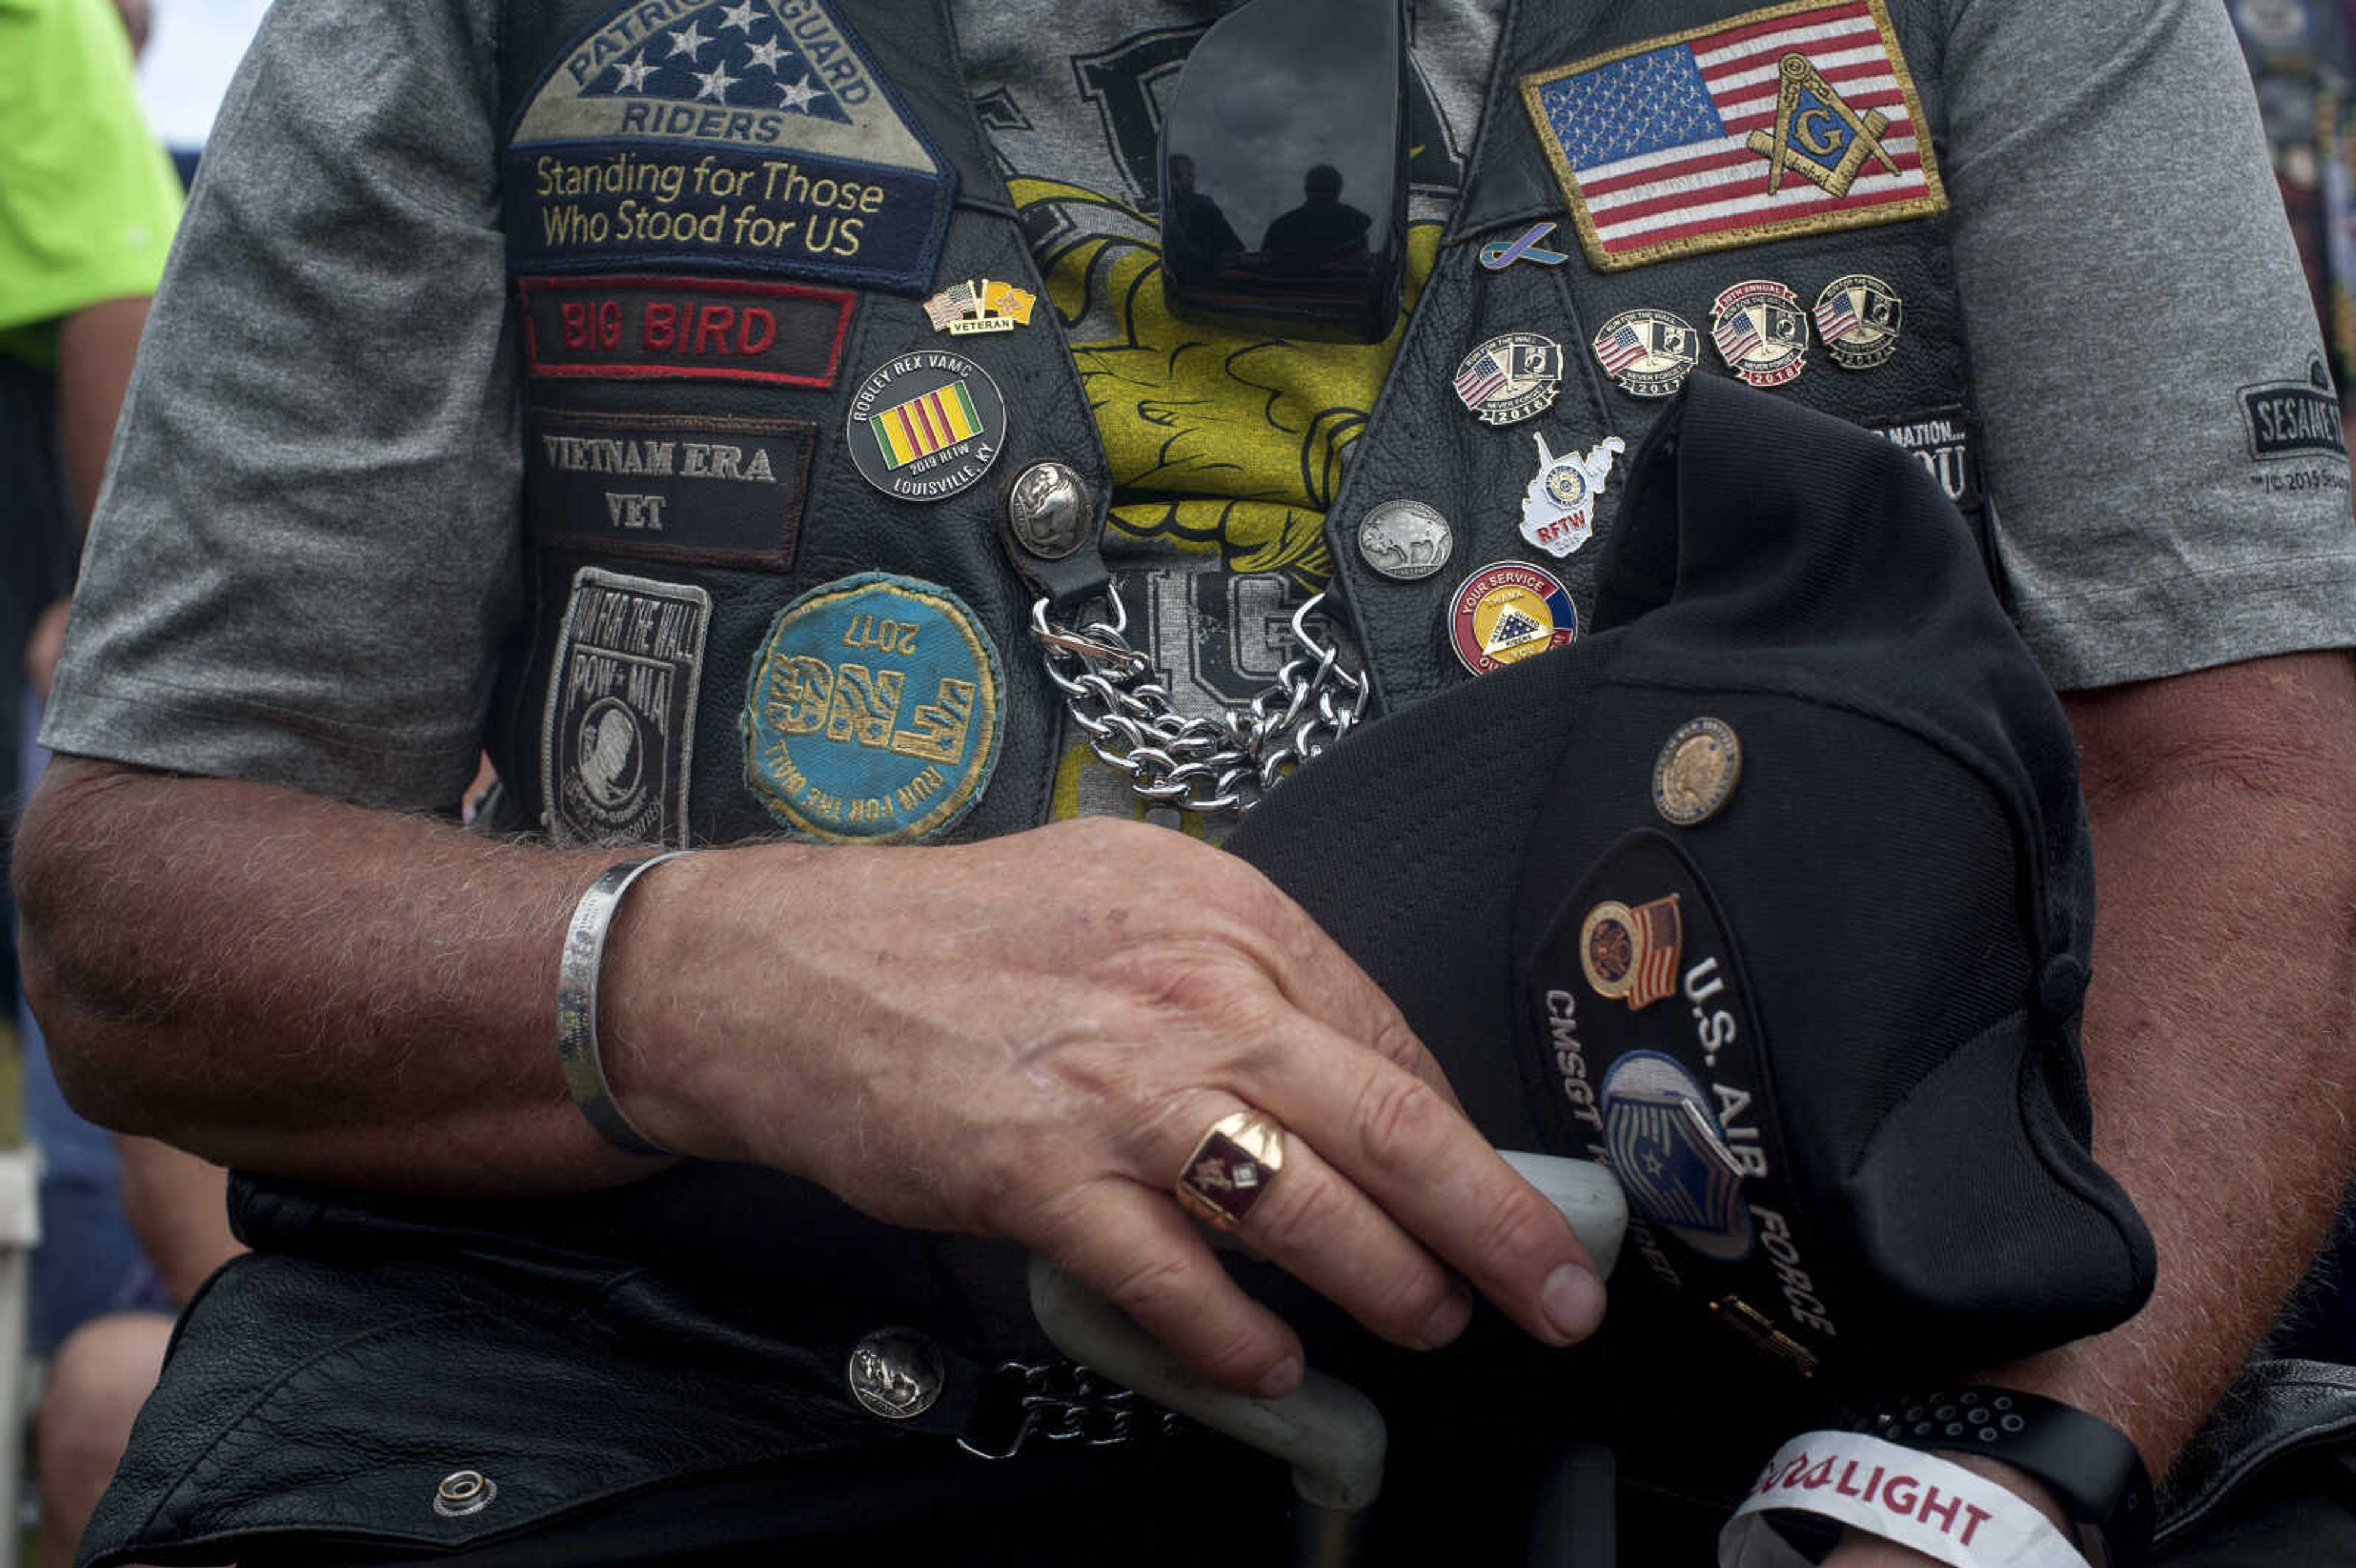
1774 892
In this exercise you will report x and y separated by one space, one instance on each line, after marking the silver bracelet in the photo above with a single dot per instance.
576 1006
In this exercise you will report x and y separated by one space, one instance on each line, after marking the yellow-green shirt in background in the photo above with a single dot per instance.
88 201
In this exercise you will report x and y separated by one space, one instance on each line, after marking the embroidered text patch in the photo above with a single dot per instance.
729 329
751 136
693 489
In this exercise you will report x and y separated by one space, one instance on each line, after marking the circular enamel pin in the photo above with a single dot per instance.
1858 317
874 712
1607 949
1405 540
1696 772
1507 611
925 426
1760 331
1647 353
1509 378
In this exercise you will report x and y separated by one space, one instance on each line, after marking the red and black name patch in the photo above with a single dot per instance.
721 328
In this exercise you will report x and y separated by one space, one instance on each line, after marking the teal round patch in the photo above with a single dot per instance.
874 711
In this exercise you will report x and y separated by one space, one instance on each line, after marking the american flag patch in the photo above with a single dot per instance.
1794 120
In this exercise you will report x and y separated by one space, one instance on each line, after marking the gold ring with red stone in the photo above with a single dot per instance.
1232 1166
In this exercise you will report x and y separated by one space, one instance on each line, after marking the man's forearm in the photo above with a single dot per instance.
222 985
1023 1037
2217 1033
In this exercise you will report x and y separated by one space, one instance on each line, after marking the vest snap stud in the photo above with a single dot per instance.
1046 509
462 1492
896 1373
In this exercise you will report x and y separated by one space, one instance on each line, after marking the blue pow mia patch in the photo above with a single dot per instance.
874 712
745 136
1670 1154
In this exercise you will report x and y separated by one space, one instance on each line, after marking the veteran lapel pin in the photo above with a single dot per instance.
1761 332
1630 955
1696 771
1507 611
1510 378
1859 316
1500 254
1558 508
980 305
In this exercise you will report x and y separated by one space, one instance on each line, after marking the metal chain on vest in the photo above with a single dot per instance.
1210 765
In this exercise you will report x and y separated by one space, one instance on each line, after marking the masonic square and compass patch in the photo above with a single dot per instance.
747 136
1794 120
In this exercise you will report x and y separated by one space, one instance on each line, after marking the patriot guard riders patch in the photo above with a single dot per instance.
874 711
1794 120
750 136
620 732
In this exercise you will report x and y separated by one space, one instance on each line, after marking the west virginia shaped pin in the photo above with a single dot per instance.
725 135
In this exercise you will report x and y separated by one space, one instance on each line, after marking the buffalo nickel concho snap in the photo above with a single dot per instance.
1859 316
1046 509
1648 353
1406 541
1760 331
1696 772
463 1492
1510 378
896 1373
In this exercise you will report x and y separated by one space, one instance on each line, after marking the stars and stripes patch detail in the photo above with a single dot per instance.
923 425
724 136
738 56
1788 120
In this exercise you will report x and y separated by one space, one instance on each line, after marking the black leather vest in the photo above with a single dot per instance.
700 305
677 626
598 742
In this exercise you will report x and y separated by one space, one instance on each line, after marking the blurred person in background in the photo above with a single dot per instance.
88 206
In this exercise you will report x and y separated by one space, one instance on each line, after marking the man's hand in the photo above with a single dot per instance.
1027 1037
1023 1037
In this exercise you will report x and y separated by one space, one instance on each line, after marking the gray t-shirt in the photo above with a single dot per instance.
307 558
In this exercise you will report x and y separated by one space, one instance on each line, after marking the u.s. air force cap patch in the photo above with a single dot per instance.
748 136
874 711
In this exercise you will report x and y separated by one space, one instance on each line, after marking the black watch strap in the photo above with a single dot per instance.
2091 1468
